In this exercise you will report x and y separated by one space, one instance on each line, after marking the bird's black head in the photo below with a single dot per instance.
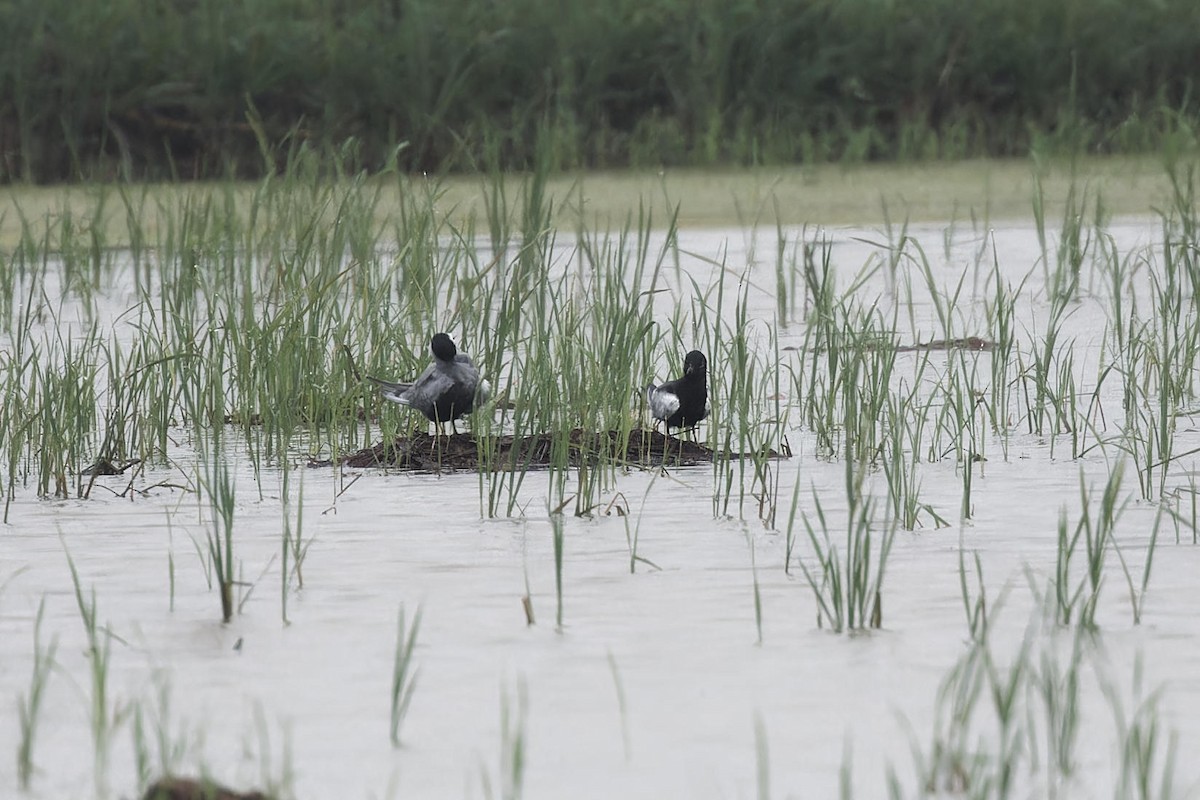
695 363
443 347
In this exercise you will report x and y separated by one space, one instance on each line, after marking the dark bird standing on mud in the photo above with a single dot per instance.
448 388
683 402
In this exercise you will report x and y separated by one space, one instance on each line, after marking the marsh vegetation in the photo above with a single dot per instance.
987 425
207 90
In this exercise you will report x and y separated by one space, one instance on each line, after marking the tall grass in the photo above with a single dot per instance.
848 584
849 375
250 91
1158 353
220 491
747 427
1076 598
1000 310
263 310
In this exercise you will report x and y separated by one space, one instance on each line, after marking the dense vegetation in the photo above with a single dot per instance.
202 88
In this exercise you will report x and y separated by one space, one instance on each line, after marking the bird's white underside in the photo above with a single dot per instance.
662 404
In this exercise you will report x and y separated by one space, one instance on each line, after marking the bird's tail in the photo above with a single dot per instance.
390 385
391 390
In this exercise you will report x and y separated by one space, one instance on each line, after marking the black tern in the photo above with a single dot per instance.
449 387
683 402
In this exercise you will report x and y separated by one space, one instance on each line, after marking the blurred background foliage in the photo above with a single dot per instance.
190 89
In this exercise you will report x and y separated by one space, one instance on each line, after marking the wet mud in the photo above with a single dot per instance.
463 452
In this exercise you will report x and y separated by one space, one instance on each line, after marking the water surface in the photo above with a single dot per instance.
657 680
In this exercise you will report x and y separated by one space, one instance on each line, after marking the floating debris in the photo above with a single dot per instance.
464 452
968 343
105 467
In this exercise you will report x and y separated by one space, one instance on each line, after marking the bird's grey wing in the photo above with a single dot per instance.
662 404
468 373
426 389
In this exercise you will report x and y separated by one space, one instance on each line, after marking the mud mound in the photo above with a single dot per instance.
463 452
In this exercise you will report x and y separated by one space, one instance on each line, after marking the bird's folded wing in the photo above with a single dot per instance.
399 392
429 387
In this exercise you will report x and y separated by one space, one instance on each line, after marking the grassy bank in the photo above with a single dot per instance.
816 195
209 89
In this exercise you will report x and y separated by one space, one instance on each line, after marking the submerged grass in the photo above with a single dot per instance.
404 674
104 718
29 705
1148 749
293 547
1007 726
559 541
513 744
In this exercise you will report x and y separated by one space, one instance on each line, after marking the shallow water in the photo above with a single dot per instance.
656 682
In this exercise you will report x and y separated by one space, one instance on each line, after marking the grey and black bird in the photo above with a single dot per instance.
683 402
450 387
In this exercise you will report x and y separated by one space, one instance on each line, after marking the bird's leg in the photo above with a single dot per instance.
441 443
667 445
